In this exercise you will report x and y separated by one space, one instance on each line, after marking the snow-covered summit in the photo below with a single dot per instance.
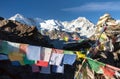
21 18
17 16
28 21
80 25
52 24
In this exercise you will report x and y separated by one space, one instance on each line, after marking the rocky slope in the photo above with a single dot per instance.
21 33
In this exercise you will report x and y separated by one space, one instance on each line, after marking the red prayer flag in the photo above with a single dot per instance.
108 71
42 63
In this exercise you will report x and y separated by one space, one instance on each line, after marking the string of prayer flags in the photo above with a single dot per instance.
22 54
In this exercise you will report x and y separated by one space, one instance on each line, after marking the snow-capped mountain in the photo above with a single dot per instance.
51 25
21 19
80 25
28 21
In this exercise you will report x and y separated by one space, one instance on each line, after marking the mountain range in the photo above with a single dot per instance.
81 25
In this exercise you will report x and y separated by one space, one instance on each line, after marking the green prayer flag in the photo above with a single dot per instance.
95 65
26 61
21 62
4 47
68 52
79 41
100 71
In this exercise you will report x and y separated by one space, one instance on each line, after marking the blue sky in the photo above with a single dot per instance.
64 10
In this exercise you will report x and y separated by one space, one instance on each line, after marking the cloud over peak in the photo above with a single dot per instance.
95 6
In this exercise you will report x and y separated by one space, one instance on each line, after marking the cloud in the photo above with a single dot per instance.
97 6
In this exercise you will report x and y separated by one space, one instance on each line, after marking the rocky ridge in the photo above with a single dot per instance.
20 33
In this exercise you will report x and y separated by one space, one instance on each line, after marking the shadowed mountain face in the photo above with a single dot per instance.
20 33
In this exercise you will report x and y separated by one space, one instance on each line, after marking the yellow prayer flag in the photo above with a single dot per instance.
80 55
15 56
66 38
103 36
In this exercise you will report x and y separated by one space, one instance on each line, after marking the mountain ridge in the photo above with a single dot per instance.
80 25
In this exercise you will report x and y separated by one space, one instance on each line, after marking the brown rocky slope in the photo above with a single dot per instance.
21 33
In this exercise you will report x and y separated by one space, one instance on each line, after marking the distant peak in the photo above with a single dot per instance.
18 15
81 18
105 15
